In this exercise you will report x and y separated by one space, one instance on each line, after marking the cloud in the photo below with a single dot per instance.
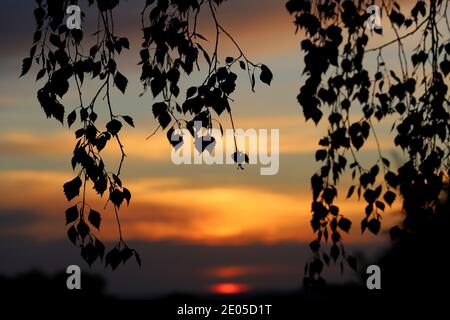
24 221
170 267
295 137
9 102
17 218
174 209
164 209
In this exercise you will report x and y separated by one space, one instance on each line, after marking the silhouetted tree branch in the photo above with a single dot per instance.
171 46
337 82
336 77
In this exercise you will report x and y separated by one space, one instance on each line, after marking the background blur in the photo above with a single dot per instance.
198 229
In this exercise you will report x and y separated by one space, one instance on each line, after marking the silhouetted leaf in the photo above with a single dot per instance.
447 48
164 119
344 224
100 248
83 229
206 56
370 196
334 252
71 118
72 234
266 75
316 267
314 245
321 155
350 191
138 258
71 214
124 43
117 180
317 185
114 126
334 211
40 74
26 65
374 226
128 120
445 67
101 185
113 258
389 197
89 253
127 195
191 92
126 254
352 262
120 81
380 205
392 179
94 218
159 108
72 188
56 41
116 197
335 237
329 194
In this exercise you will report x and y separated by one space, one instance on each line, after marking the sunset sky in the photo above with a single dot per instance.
198 227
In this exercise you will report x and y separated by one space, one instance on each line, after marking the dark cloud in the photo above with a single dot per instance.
16 26
17 218
170 267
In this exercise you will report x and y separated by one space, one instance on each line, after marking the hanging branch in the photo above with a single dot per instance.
164 56
61 59
336 78
171 46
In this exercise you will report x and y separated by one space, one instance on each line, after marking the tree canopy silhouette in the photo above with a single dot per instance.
416 99
411 92
172 44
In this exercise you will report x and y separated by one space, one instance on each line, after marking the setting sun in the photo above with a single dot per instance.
229 288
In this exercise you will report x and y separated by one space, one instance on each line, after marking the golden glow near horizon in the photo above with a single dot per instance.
35 155
172 209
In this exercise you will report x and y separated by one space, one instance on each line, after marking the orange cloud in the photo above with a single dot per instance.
172 209
296 136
